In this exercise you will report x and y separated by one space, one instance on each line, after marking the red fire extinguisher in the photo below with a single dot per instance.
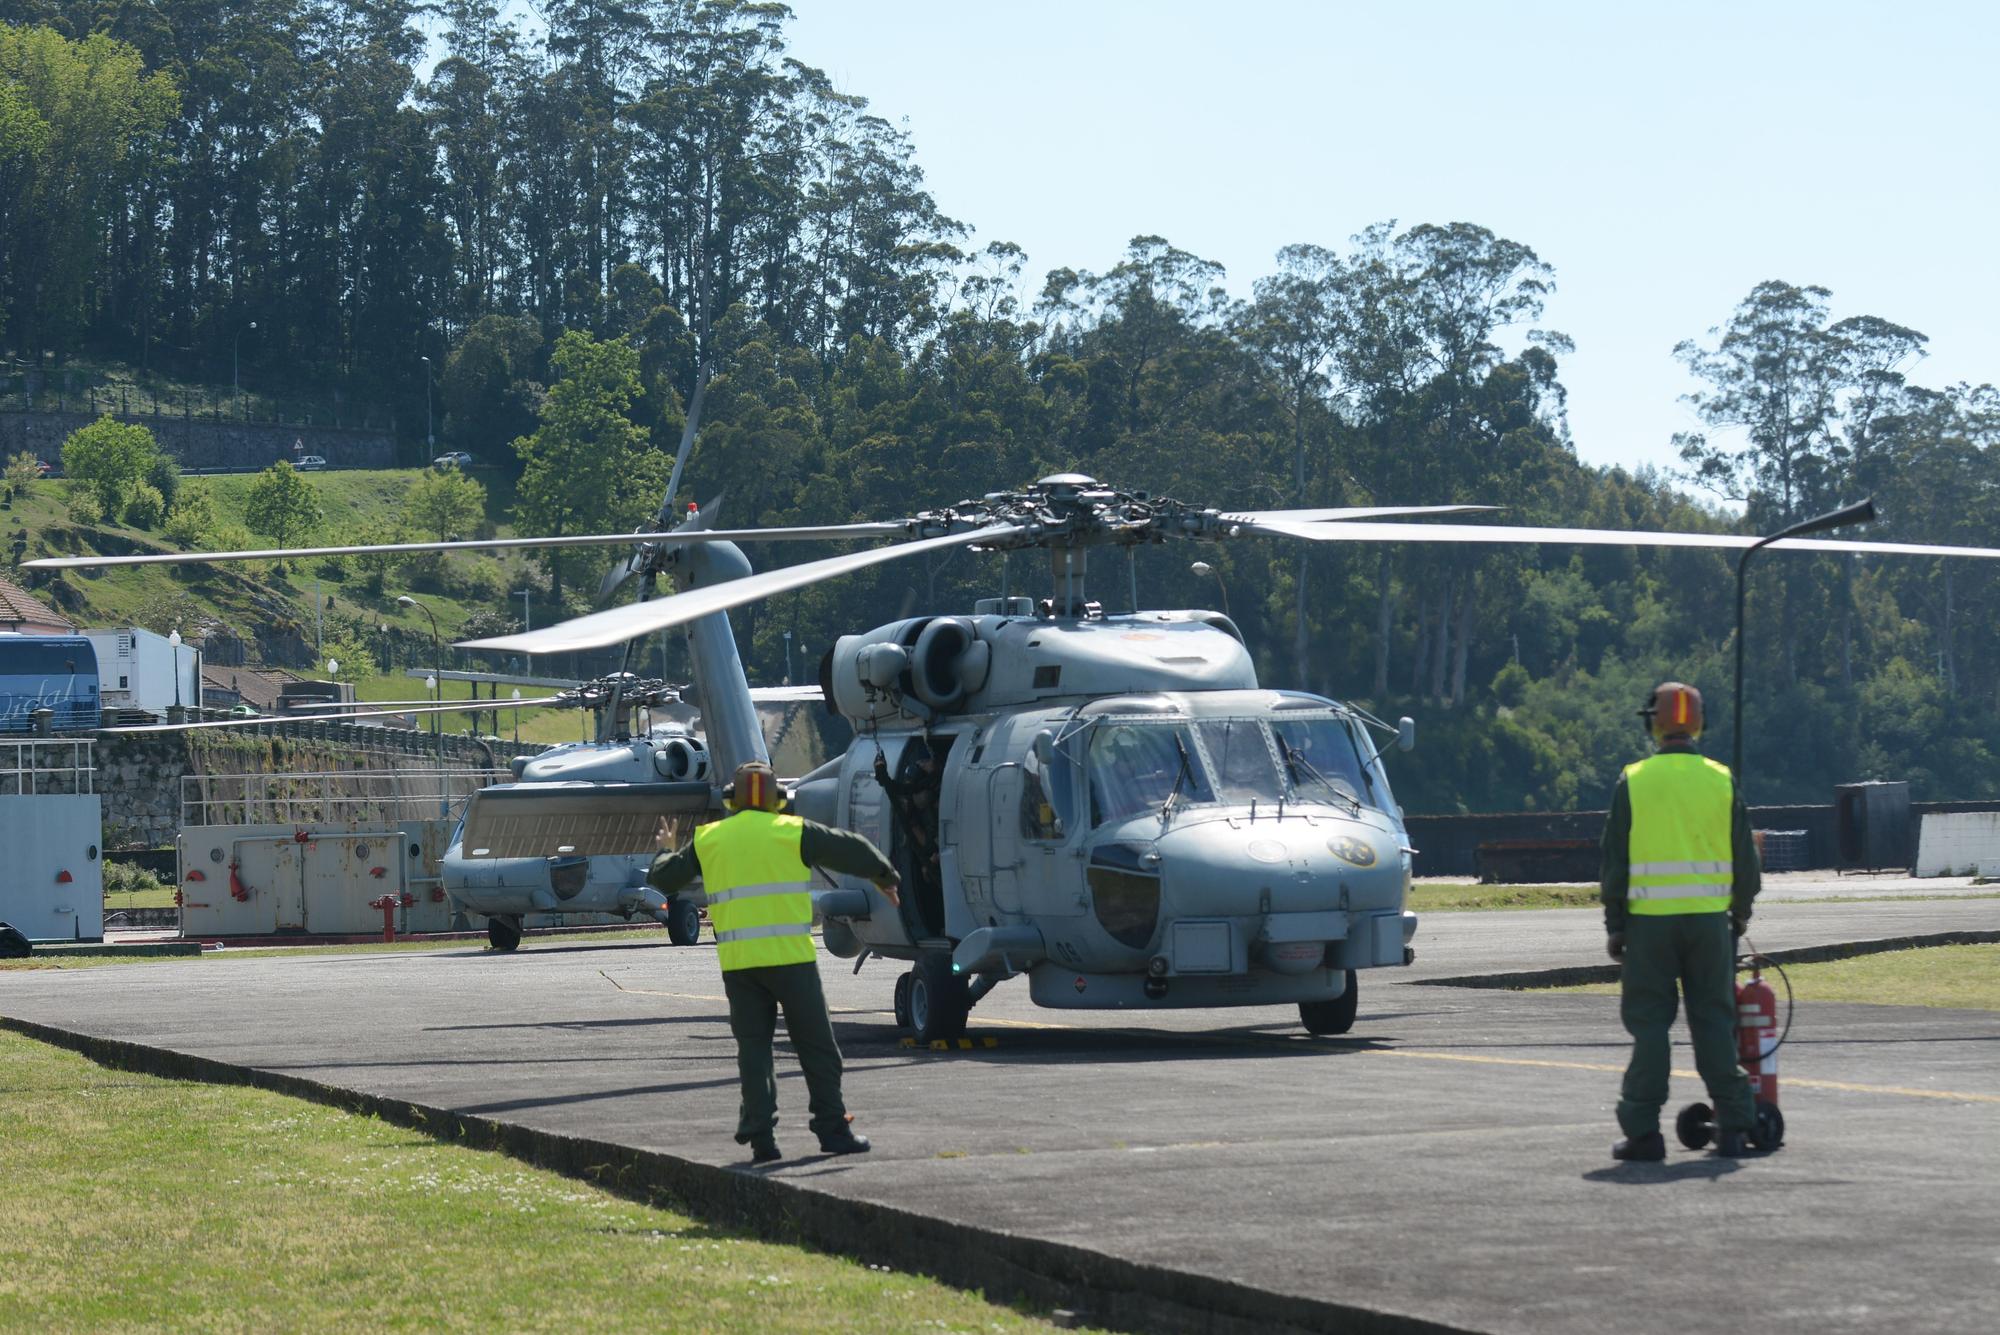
1757 1033
1758 1038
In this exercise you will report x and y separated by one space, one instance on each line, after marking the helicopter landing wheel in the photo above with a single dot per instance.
1695 1126
903 982
683 922
503 933
1332 1017
938 999
1769 1133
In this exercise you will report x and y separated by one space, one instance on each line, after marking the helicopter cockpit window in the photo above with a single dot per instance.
1136 767
1046 795
1239 752
1322 762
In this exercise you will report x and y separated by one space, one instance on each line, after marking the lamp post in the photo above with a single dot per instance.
788 658
1203 568
235 351
1861 512
522 594
174 651
430 437
517 716
436 681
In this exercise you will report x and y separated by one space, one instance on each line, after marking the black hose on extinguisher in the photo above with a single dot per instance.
1757 958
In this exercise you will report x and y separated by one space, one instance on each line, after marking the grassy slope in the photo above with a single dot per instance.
140 1203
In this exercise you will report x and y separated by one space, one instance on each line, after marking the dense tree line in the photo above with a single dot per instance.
645 209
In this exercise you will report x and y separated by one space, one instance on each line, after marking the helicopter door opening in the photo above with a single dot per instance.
914 794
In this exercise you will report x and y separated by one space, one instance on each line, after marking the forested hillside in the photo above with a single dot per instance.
546 237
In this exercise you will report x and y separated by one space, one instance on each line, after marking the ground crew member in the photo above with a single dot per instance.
1679 874
756 866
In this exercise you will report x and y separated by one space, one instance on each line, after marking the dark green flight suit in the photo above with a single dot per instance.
757 994
1694 952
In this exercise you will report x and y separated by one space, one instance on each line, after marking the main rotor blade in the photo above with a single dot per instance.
1353 512
1594 537
825 532
618 624
260 720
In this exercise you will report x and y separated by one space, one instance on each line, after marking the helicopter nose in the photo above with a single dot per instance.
1236 867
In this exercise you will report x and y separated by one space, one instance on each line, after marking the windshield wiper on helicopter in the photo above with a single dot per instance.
1181 775
1295 761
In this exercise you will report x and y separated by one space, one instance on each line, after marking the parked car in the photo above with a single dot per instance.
453 459
311 463
45 468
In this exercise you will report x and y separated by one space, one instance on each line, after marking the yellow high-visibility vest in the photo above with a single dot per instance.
759 891
1682 858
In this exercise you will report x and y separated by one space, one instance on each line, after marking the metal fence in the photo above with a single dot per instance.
44 767
330 797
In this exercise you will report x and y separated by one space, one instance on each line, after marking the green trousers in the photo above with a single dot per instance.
1696 953
755 997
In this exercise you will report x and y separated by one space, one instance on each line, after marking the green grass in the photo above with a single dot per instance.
140 1203
1960 977
1457 897
161 897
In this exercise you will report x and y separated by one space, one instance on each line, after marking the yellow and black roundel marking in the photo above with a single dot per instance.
1355 852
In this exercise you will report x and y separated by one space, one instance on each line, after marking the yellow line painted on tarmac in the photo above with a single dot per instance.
1949 1096
1477 1059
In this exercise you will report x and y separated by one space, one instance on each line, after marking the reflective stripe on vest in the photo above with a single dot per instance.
759 890
1681 857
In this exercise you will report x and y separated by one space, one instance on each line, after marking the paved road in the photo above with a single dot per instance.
1447 1161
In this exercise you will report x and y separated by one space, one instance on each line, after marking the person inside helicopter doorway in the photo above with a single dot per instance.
1679 874
914 799
756 868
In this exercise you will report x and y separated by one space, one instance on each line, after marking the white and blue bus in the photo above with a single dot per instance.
55 672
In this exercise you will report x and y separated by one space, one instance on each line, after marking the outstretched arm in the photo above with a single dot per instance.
845 851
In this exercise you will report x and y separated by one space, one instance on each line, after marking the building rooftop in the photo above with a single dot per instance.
23 612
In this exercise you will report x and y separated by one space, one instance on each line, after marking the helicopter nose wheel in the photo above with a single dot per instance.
503 933
1332 1017
903 982
939 999
683 922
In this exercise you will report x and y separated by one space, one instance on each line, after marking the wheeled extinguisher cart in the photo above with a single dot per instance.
1758 1038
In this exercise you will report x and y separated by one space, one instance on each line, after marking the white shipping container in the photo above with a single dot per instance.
136 669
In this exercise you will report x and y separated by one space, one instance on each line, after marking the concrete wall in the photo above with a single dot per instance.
198 443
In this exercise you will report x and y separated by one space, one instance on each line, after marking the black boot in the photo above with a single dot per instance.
1649 1148
1733 1144
764 1148
842 1140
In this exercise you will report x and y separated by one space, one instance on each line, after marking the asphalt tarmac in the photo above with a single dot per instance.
1445 1163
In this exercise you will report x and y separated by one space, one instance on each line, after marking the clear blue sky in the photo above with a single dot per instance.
1663 159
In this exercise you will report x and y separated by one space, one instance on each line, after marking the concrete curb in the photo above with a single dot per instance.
1609 973
56 950
1100 1290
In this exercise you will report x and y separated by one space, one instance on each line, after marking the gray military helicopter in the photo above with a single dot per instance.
1107 802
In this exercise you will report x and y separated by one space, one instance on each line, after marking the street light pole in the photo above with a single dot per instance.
1861 512
522 594
430 437
235 352
788 658
437 646
1204 568
174 651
